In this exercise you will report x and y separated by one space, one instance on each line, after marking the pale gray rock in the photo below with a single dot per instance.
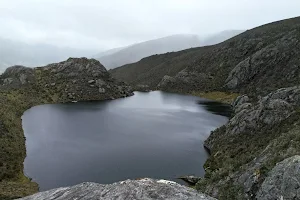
102 90
165 81
267 111
91 81
239 74
17 75
244 106
8 81
100 82
23 79
240 100
271 109
283 181
144 189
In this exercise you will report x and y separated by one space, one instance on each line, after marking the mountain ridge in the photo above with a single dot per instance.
173 43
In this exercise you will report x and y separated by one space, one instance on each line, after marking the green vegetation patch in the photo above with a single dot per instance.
13 103
224 97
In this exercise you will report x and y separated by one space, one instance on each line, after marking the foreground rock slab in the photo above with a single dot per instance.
129 189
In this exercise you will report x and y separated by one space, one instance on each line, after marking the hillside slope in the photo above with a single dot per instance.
252 155
151 70
263 52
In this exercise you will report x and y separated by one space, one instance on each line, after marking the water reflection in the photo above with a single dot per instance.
216 107
156 134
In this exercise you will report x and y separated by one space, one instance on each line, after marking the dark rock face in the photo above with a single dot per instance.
76 79
129 189
283 181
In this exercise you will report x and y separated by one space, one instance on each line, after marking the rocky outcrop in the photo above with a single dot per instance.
165 81
16 76
261 133
76 79
283 181
268 111
129 189
186 79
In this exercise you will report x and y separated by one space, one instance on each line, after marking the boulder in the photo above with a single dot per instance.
100 82
283 181
17 76
269 110
102 90
91 81
130 189
165 81
192 180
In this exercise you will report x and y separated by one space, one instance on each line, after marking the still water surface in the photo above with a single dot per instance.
156 134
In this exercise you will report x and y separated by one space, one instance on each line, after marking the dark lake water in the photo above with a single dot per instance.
156 135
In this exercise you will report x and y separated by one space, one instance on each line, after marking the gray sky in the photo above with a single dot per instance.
105 24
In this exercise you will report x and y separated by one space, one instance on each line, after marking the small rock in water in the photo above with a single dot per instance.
190 179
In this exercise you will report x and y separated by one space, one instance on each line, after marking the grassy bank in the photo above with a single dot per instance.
13 103
224 97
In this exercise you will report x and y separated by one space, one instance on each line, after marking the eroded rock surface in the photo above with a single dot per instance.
283 181
269 124
269 110
144 189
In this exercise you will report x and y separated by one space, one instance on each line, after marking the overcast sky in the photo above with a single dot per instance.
105 24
